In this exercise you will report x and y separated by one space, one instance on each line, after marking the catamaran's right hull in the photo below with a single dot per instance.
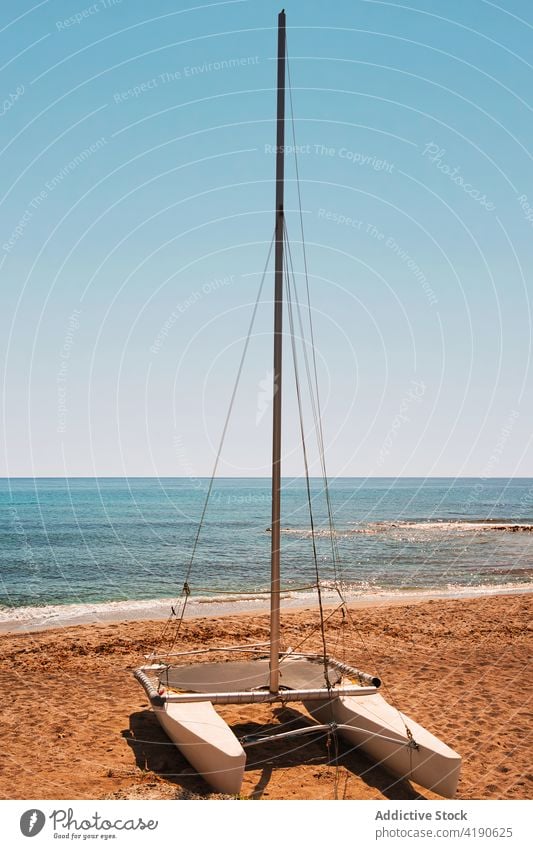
372 725
206 742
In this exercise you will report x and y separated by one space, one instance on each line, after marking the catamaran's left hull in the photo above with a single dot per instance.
207 742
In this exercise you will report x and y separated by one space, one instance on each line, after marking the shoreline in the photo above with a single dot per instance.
50 617
449 664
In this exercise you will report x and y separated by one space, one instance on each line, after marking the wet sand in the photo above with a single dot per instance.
77 726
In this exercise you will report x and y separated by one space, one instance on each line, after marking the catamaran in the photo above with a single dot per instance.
339 698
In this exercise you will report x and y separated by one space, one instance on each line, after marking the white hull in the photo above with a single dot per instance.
206 742
363 717
379 731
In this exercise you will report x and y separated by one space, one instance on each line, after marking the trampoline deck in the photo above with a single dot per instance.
237 676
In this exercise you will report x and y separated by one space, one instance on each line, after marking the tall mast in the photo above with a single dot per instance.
276 388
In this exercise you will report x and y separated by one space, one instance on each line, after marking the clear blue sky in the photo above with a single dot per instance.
136 213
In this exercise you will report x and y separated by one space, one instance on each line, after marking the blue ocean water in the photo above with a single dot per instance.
88 541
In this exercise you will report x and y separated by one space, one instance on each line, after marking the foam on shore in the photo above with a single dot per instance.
21 619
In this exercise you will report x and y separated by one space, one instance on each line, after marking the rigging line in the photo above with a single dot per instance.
318 425
318 416
317 422
310 386
366 648
373 660
306 463
316 413
304 347
186 590
320 434
254 592
384 686
310 634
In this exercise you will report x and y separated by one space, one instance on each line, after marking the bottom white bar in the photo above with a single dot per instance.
415 824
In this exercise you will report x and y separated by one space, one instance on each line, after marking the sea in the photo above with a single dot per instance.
84 549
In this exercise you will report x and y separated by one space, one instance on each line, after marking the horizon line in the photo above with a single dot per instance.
265 477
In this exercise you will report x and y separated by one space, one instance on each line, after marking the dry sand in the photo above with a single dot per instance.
75 724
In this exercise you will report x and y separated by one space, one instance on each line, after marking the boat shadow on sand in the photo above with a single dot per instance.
155 753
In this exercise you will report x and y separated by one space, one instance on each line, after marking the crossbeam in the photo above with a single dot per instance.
251 697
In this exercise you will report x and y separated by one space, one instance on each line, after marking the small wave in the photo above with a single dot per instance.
25 619
64 615
61 615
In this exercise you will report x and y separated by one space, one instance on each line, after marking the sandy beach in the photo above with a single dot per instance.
76 724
